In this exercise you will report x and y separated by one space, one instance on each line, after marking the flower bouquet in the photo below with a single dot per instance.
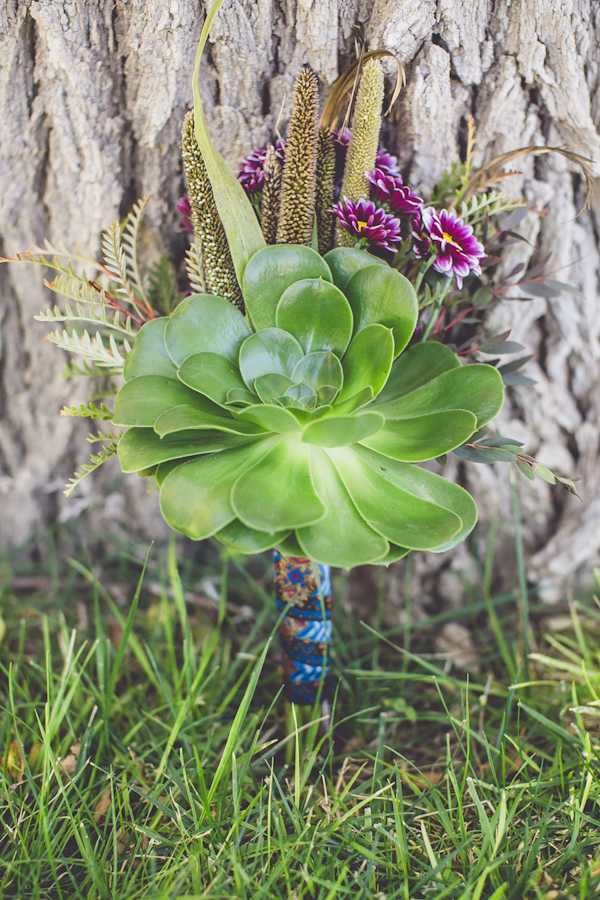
287 402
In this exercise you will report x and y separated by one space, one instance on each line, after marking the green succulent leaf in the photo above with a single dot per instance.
270 387
342 537
290 546
368 361
427 486
149 355
204 323
423 437
477 388
357 401
249 540
268 352
277 492
195 497
393 555
143 399
380 295
320 370
140 448
212 375
345 261
300 396
238 397
389 506
417 366
186 418
271 418
339 431
317 314
270 272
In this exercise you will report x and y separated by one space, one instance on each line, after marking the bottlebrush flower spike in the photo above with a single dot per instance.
271 195
219 271
325 191
299 169
364 139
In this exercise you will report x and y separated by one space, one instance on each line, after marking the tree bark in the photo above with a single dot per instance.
93 96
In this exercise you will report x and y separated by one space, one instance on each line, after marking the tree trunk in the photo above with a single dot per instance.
93 96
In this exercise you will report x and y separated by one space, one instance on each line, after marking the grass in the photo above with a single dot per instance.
148 754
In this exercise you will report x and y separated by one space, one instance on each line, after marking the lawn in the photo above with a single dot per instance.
147 752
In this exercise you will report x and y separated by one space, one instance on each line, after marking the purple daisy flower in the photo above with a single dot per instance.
389 189
458 250
370 224
251 174
387 162
185 211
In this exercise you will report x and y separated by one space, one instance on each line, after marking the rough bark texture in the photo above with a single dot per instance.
93 96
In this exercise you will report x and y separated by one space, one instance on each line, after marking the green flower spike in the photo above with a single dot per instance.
364 140
217 264
324 194
299 430
299 169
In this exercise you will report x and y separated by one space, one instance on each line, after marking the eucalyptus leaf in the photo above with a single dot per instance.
203 323
270 272
342 537
380 295
149 355
195 497
277 492
143 399
317 314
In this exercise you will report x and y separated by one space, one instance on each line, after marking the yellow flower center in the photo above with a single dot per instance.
361 225
449 240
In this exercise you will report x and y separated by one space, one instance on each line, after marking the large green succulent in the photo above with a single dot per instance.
293 426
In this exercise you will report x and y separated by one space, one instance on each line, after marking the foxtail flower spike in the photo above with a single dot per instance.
271 195
219 271
299 170
324 194
364 140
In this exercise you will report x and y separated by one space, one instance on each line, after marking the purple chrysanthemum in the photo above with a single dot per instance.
389 189
185 211
386 162
370 224
251 173
458 250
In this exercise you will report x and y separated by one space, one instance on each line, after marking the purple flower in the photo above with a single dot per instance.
389 189
387 162
342 137
185 211
251 173
458 250
370 224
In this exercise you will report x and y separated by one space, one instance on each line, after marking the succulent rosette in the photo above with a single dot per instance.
298 426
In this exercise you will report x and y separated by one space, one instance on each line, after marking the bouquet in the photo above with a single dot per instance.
319 358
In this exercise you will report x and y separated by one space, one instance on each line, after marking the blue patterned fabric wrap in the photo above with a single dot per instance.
305 631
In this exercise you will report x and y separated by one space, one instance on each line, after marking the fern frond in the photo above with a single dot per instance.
100 437
92 348
162 286
41 257
491 204
116 264
98 316
96 460
130 240
88 412
194 270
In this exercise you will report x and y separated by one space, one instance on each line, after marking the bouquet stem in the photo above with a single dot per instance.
305 630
